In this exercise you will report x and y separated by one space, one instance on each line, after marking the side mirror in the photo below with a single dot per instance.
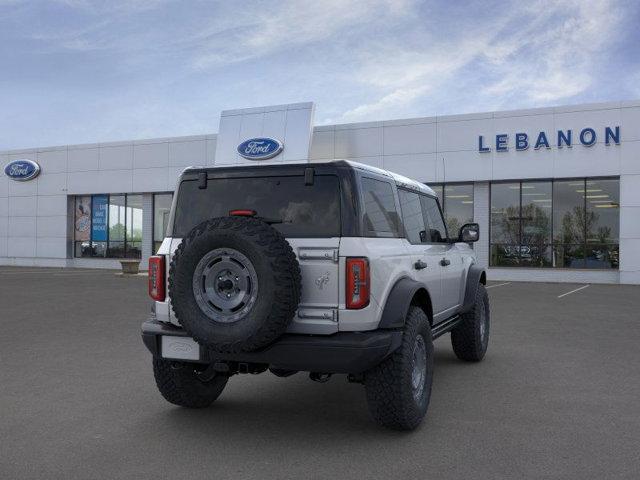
469 232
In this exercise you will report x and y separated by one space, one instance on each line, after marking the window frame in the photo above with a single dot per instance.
127 224
553 243
108 240
447 238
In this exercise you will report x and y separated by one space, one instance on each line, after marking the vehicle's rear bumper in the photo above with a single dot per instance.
343 352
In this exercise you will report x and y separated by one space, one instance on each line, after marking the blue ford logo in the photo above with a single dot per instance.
260 148
22 170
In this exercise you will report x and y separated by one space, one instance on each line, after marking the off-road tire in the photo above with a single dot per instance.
179 384
468 339
389 385
278 276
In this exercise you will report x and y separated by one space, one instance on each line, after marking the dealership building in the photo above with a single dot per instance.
556 190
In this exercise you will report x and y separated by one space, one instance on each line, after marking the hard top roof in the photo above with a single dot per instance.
400 180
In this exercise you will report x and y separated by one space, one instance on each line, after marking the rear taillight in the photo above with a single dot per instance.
357 282
242 213
156 277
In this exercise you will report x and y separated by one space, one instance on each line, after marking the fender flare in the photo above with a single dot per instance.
398 303
475 277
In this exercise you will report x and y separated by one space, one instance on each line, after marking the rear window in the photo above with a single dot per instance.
299 210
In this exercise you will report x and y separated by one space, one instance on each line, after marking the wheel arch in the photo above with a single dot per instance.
476 276
421 298
405 293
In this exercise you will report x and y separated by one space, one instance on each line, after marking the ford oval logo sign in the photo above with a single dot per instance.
260 148
22 170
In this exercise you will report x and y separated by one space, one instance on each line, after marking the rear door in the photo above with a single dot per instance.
425 257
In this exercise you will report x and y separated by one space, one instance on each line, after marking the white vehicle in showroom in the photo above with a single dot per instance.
327 268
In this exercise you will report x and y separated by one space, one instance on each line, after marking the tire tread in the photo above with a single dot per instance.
287 278
389 396
182 387
465 338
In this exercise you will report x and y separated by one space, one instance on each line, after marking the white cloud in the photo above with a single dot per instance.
543 52
554 63
255 33
161 68
397 98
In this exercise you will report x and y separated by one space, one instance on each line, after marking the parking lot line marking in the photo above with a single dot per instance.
498 285
573 291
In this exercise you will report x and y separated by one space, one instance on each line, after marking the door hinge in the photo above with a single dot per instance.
318 254
318 314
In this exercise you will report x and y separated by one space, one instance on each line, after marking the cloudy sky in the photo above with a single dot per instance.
80 71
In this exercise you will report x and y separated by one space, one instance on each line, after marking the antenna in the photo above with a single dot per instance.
444 171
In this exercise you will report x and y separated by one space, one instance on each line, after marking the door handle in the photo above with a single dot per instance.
419 265
445 261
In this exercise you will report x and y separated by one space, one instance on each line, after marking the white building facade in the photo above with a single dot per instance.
556 191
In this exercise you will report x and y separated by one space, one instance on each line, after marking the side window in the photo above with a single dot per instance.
436 231
412 216
380 215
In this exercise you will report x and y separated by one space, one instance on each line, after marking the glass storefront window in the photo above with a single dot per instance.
117 219
82 226
161 210
535 248
108 226
568 212
564 224
568 223
134 226
505 224
603 223
99 225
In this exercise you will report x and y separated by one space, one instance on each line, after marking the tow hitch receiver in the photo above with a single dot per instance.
212 370
320 377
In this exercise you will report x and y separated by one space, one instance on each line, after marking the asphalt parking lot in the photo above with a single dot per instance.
558 395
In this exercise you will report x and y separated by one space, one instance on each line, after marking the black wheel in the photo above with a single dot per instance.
234 284
398 390
179 384
470 338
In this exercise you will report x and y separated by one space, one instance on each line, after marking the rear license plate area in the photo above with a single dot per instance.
179 348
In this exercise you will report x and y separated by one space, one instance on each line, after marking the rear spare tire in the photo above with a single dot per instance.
234 284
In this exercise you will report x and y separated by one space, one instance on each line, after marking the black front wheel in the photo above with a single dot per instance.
180 384
470 339
398 390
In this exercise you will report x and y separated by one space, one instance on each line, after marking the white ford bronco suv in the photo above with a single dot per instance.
327 268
